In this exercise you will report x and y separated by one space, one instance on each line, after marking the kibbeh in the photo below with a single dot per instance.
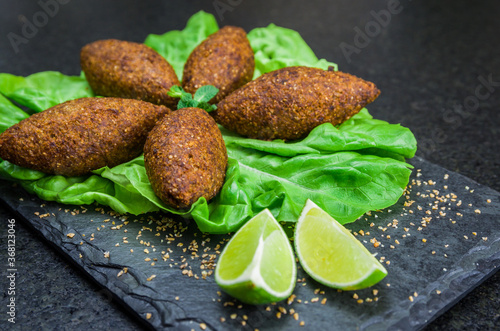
225 60
185 157
288 103
116 68
78 136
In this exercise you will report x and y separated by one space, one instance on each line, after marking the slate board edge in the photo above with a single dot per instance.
460 284
398 318
72 258
491 257
99 271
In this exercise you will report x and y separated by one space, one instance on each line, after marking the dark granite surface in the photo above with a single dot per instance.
432 62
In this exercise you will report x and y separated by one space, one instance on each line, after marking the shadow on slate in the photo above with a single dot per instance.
439 242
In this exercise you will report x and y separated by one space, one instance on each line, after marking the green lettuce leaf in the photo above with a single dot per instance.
346 184
359 133
175 46
347 170
274 47
277 47
261 174
44 89
14 172
9 114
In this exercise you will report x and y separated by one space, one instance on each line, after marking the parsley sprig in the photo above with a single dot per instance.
200 99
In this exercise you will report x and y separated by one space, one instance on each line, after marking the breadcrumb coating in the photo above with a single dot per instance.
185 157
78 136
288 103
225 60
125 69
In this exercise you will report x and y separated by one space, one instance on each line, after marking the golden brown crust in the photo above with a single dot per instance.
288 103
78 136
185 157
225 60
126 69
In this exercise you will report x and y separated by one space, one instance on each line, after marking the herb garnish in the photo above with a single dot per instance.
200 99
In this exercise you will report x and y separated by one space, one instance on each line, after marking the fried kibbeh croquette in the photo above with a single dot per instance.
288 103
81 135
185 157
124 69
225 60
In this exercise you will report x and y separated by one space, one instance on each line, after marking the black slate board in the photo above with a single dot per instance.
441 239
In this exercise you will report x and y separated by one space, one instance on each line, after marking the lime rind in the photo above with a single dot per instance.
368 267
249 285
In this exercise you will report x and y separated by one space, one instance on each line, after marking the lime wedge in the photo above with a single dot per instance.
331 255
257 265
